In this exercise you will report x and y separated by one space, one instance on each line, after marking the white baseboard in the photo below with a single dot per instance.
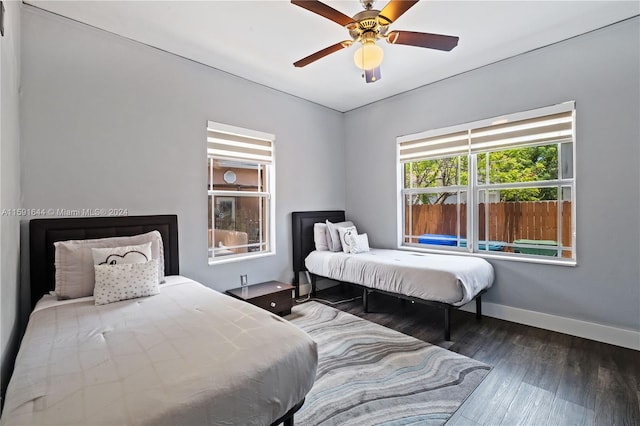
321 285
304 289
588 330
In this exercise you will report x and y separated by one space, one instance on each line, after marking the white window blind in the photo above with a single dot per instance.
535 127
534 131
443 145
231 143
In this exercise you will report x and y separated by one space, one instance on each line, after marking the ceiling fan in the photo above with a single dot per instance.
369 26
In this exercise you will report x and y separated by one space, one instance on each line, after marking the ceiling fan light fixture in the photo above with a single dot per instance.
369 56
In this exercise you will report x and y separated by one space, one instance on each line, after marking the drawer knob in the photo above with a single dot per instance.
273 304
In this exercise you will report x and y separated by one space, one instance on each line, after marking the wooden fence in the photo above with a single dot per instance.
508 221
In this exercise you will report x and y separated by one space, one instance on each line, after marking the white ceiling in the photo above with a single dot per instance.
260 40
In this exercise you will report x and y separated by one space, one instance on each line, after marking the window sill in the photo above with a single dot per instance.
543 261
238 258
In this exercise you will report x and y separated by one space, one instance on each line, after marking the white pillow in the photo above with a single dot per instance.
75 276
121 255
125 281
347 234
360 244
333 237
320 236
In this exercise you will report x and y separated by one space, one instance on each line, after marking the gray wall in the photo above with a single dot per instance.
110 123
600 71
107 122
9 188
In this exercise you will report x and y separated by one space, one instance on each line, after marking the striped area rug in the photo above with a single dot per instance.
371 375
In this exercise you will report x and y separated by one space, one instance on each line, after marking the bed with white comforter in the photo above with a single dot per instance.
187 356
446 281
454 280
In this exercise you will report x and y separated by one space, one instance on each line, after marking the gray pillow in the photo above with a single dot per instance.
320 236
333 236
75 273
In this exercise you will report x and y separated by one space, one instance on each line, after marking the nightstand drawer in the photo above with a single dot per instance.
278 303
272 296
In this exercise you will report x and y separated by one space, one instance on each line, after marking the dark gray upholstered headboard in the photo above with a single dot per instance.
302 231
44 232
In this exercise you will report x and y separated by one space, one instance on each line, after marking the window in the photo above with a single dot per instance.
498 187
240 189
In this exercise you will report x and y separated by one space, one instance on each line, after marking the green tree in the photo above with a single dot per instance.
528 164
440 172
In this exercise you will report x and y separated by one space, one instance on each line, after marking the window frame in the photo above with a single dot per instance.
473 187
267 193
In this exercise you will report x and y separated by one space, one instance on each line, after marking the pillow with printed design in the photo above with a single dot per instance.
347 235
122 255
122 281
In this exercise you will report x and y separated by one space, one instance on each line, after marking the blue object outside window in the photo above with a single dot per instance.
452 240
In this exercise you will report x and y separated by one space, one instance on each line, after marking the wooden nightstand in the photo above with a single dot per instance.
273 296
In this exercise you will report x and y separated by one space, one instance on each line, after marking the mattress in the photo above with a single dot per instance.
455 280
187 356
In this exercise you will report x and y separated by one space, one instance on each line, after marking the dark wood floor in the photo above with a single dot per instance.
539 377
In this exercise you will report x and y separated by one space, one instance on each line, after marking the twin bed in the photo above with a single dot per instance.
186 356
446 281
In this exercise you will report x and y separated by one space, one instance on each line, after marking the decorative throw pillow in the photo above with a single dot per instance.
75 276
125 281
347 235
333 237
320 236
360 244
121 255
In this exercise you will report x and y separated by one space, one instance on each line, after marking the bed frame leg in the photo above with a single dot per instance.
365 300
478 308
287 419
313 285
447 323
296 283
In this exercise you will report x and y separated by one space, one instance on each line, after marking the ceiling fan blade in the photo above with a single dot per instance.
325 11
322 53
394 9
431 41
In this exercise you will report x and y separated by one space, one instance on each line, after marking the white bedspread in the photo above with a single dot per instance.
188 356
436 277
